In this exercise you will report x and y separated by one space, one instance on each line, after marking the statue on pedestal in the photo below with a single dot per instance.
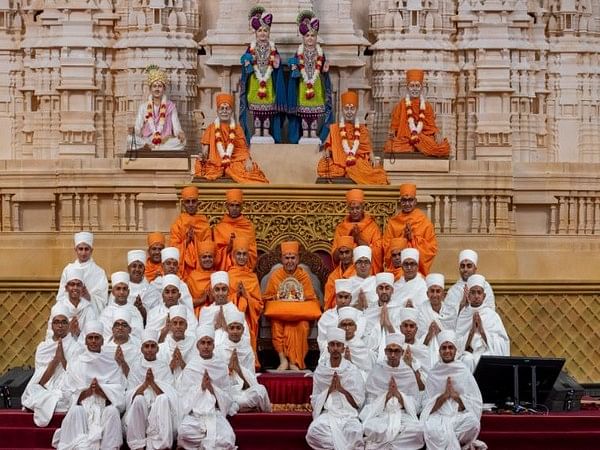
157 125
309 88
348 148
413 128
262 88
224 149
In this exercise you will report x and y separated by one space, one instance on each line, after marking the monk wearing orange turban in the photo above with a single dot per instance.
413 128
290 282
232 226
361 226
349 148
188 230
246 288
198 280
414 229
224 149
153 266
343 269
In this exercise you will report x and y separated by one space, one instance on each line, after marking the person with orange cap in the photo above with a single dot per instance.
343 269
413 128
348 148
290 318
361 226
153 265
224 151
188 230
413 227
246 288
392 259
199 279
233 225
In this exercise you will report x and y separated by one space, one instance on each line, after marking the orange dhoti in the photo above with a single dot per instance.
423 142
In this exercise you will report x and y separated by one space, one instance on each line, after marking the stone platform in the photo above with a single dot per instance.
298 159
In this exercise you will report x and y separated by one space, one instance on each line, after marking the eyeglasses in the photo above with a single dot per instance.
63 323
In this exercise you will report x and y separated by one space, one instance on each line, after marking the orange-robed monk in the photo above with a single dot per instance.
413 227
188 230
153 266
198 280
224 148
361 226
246 288
232 226
342 257
349 147
290 338
413 128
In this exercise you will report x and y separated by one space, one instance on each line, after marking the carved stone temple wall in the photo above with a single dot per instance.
515 85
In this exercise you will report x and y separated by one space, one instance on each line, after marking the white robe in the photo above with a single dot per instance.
150 420
108 317
94 279
253 397
448 428
136 289
83 311
137 141
203 424
93 423
415 290
426 316
45 400
207 317
498 343
330 318
367 285
157 317
131 350
389 426
335 422
375 334
187 347
454 297
152 296
361 355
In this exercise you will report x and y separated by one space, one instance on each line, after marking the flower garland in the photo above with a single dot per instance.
162 114
310 82
263 79
226 153
350 152
415 130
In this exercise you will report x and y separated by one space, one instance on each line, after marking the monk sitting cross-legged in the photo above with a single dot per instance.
291 304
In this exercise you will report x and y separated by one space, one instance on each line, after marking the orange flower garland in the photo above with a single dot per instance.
309 93
350 152
415 129
162 114
225 154
263 78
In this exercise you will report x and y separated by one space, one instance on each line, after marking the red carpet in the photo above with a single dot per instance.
286 430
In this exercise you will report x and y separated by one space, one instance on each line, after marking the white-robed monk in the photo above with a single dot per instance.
330 318
410 289
389 416
97 388
158 317
363 283
479 328
337 396
79 310
170 266
122 344
152 403
356 350
456 298
118 301
415 350
138 284
248 394
205 396
382 316
179 345
44 393
214 314
95 283
452 412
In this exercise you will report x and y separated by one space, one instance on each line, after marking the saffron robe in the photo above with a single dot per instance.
188 252
369 231
242 227
152 270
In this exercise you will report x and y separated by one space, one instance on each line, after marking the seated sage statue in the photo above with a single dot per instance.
157 125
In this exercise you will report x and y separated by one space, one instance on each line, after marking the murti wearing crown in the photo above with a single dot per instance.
157 125
262 88
309 88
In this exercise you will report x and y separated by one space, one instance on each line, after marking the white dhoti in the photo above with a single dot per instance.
205 431
450 432
255 397
330 432
44 401
149 426
139 142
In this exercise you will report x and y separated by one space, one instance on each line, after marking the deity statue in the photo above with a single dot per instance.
262 88
224 149
157 125
309 88
413 128
348 148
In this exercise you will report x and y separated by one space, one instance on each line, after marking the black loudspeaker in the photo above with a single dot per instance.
12 385
565 395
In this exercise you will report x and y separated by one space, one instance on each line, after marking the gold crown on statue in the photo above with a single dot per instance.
154 73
